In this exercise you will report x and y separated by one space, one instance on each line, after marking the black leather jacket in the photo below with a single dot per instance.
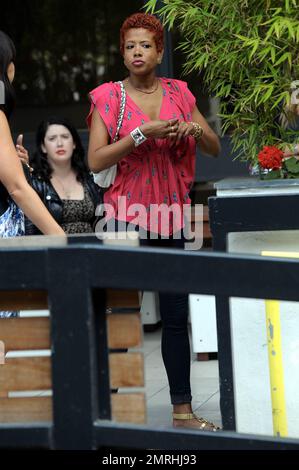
53 202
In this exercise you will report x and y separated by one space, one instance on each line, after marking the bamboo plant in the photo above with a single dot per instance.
249 55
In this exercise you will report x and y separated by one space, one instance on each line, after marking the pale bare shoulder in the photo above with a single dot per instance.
2 116
5 134
3 122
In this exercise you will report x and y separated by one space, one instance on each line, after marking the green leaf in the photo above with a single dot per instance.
272 175
292 165
291 30
255 46
247 54
277 29
281 99
284 57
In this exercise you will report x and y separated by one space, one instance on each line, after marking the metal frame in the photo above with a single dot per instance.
76 278
242 214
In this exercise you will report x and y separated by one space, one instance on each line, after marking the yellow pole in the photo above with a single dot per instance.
279 415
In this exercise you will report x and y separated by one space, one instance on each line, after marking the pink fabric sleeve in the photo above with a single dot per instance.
187 98
105 98
190 98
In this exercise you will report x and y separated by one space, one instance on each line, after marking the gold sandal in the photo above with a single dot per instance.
204 424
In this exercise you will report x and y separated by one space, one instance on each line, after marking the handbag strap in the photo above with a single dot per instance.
121 110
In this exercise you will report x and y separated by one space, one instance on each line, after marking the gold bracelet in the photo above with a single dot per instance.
198 131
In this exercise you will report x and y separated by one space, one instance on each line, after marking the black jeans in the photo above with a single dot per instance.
174 316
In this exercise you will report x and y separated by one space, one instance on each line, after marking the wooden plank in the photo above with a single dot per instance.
122 298
203 356
196 217
126 370
128 408
124 330
26 373
25 333
201 219
2 352
24 410
206 231
206 217
23 300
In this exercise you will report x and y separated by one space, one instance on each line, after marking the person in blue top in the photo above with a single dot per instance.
16 195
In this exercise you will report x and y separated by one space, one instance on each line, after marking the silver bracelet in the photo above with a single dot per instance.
138 136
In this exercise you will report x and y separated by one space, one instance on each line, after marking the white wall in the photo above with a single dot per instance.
249 341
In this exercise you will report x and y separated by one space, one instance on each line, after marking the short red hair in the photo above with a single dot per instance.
145 21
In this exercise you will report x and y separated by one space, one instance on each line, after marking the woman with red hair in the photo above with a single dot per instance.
155 158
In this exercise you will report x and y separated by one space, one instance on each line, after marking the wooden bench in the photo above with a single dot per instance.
25 378
195 219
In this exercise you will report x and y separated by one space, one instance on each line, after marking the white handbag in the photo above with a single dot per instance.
105 178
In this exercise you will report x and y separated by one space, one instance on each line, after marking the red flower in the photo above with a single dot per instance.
270 157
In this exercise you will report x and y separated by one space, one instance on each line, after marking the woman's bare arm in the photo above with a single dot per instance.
13 178
209 142
102 155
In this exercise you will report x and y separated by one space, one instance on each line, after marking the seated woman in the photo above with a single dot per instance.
61 178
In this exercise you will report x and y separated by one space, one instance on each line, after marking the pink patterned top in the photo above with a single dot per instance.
154 174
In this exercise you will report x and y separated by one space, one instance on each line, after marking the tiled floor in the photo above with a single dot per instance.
204 384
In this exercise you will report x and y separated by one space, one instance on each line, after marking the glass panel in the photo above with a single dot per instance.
64 49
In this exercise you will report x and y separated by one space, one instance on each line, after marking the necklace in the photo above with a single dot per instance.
143 91
67 191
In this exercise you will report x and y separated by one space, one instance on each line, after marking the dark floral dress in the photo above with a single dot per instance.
78 214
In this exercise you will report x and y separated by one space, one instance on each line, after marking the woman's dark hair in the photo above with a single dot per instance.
7 55
39 160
